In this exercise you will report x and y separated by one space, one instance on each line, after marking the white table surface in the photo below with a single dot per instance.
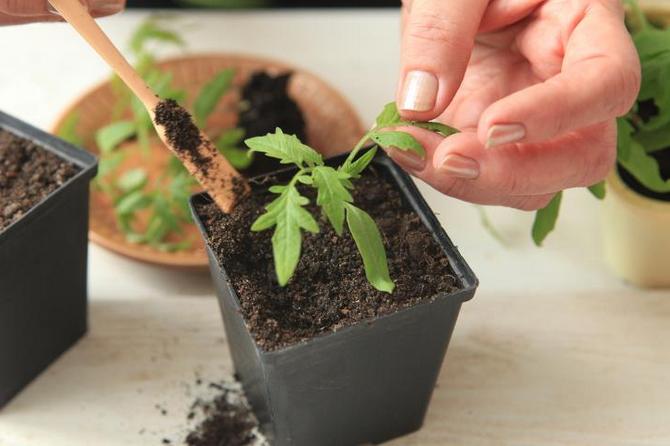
553 349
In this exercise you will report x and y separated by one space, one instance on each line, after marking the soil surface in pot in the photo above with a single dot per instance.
28 173
329 290
663 159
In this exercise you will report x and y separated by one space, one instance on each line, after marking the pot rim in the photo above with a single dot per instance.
634 199
467 278
83 160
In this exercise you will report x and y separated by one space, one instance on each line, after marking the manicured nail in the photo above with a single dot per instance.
419 91
500 134
407 159
460 166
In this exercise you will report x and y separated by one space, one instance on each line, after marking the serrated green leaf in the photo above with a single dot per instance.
211 94
355 169
132 180
110 136
389 116
369 243
398 140
598 190
288 216
68 130
332 195
132 202
545 219
287 148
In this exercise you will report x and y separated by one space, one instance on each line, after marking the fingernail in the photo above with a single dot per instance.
51 9
407 159
500 134
460 166
419 91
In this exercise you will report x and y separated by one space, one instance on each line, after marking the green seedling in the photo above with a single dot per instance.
287 213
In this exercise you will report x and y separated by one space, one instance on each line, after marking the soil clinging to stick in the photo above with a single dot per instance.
182 133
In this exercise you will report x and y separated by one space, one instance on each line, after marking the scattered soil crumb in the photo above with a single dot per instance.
225 420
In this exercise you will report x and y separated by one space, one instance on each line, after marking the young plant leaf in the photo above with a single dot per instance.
355 169
110 136
398 140
369 243
132 180
598 190
211 94
288 216
332 195
545 219
287 148
389 116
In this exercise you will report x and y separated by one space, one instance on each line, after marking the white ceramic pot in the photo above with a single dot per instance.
636 235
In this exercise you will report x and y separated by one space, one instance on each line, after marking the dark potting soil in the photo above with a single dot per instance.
663 159
267 105
227 420
28 173
329 290
181 132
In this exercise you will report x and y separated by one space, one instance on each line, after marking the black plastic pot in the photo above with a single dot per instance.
366 383
43 255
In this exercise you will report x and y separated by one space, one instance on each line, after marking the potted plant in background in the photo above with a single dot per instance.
44 190
637 210
140 197
335 342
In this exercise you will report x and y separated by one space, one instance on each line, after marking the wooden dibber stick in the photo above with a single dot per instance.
175 127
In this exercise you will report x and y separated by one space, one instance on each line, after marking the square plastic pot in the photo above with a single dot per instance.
366 383
43 308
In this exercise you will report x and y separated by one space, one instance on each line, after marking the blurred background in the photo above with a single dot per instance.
262 3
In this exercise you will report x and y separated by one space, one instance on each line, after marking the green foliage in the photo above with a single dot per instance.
228 145
211 94
639 135
288 149
545 219
287 213
110 136
163 200
598 190
369 243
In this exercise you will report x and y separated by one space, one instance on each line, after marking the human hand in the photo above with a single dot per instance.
535 87
24 11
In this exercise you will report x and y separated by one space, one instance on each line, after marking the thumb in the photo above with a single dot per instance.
438 37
